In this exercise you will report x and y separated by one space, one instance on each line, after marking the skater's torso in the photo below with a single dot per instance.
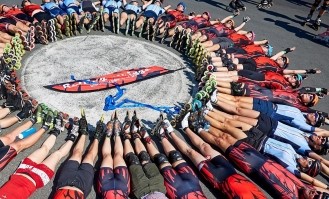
178 15
31 8
239 40
112 3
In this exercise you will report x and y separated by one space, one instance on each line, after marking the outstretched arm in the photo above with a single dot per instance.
245 20
279 54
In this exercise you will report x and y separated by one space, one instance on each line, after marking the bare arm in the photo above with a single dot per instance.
227 18
279 54
262 42
124 2
167 7
240 27
307 71
313 181
324 162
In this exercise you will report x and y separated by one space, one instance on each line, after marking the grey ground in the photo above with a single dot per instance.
280 25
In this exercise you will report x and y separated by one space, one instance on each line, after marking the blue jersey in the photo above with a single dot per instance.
282 153
155 8
136 9
67 3
296 117
292 136
49 6
112 4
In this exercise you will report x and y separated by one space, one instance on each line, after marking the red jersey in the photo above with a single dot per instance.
30 9
68 194
13 12
253 49
239 40
265 61
202 22
272 80
17 187
178 15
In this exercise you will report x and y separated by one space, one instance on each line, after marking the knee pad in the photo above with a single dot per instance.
175 156
160 159
325 5
144 156
132 159
237 89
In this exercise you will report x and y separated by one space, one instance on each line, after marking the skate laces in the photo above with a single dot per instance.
75 127
117 127
59 122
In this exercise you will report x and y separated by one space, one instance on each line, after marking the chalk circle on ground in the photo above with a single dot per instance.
91 56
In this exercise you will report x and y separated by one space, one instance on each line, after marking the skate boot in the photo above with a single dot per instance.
99 128
83 124
157 126
140 34
125 131
240 5
316 24
133 26
93 22
307 20
101 20
150 32
73 25
165 33
74 130
175 37
67 26
117 126
117 25
113 23
49 121
80 24
232 7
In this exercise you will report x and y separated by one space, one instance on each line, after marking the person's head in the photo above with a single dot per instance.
315 119
308 193
283 61
294 80
134 2
45 1
25 3
4 8
181 6
251 35
309 166
158 2
206 15
229 24
268 49
309 99
318 144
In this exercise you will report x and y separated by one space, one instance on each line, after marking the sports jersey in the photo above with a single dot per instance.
286 97
112 3
68 193
238 39
49 6
268 79
29 9
13 11
155 8
282 153
248 51
177 15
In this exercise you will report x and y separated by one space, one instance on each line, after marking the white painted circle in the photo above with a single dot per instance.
90 56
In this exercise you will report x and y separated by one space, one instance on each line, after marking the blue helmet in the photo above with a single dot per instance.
182 4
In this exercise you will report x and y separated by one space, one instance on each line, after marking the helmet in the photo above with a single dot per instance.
319 119
314 169
270 50
208 14
182 4
299 79
314 101
253 35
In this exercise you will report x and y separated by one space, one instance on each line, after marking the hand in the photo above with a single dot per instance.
184 122
324 91
236 14
311 71
246 19
288 50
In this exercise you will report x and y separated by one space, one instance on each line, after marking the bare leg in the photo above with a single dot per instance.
4 112
154 151
31 140
123 18
92 153
10 137
118 152
40 154
52 161
7 122
78 149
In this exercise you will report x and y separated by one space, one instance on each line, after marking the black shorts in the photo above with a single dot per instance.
8 21
255 138
252 75
266 124
7 153
42 16
76 175
114 181
224 42
24 17
180 181
130 12
248 64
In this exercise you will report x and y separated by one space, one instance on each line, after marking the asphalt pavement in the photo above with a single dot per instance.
280 25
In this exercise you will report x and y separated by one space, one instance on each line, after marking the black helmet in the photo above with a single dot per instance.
314 168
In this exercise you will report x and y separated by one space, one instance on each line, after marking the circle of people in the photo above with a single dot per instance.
250 112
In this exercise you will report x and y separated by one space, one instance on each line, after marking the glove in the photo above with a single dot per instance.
235 14
310 71
288 50
192 13
184 122
324 91
246 19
